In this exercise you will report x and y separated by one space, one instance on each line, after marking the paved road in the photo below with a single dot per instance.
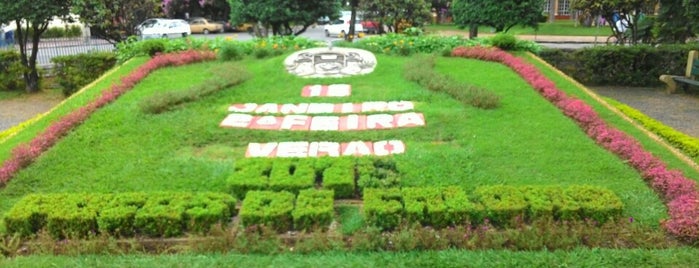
52 47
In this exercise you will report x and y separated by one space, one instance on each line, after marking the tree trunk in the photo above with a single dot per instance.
552 10
473 31
30 74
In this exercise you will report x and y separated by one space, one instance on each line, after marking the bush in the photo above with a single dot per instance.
383 208
639 65
60 32
249 174
292 175
271 209
123 214
75 71
314 210
10 70
153 47
230 51
504 41
339 177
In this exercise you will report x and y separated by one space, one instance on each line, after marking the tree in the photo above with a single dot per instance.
629 11
114 20
31 18
185 9
397 14
677 20
499 14
282 15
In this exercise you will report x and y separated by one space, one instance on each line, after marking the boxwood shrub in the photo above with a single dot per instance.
163 214
314 210
272 209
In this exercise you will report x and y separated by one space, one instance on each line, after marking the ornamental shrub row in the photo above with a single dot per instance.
499 205
283 211
162 214
687 144
346 176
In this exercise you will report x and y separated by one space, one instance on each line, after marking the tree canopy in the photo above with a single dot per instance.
114 20
184 9
677 20
31 18
283 15
499 14
397 14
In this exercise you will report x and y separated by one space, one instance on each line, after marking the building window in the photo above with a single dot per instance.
563 7
546 6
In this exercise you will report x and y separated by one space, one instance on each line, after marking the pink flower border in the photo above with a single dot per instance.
25 154
678 192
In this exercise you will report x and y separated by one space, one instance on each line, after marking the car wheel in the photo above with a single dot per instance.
327 34
184 34
164 36
206 31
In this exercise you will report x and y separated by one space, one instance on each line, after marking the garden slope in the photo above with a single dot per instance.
185 150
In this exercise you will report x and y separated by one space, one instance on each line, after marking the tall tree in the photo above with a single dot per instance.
282 15
31 18
397 13
114 20
499 14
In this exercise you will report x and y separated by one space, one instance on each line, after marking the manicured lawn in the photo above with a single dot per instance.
526 141
186 150
681 257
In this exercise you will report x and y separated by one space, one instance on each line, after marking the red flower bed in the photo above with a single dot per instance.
678 192
24 154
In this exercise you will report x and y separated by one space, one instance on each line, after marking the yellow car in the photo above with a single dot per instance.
202 25
244 27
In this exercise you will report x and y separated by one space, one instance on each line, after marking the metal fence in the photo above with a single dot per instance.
52 47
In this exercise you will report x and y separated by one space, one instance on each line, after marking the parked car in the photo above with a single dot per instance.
227 26
165 28
202 25
370 27
244 27
340 27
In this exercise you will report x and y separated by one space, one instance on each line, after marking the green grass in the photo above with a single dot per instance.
681 257
559 27
351 219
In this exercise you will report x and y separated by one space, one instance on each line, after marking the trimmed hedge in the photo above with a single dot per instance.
383 208
339 177
499 205
292 175
314 209
272 209
687 144
346 176
164 214
75 71
620 65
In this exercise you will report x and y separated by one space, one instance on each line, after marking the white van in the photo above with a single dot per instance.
341 26
163 28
